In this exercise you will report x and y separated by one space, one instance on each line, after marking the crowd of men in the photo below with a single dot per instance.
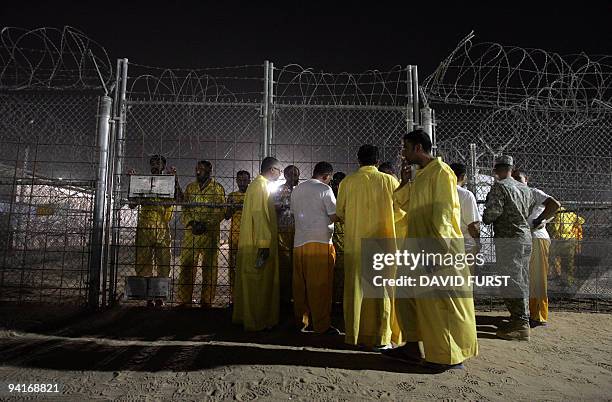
286 246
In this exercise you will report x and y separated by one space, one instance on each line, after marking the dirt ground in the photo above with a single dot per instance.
142 354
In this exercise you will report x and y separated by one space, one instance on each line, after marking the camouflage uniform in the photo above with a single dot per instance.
508 206
286 233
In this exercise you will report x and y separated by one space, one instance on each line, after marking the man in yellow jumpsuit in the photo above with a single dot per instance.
153 229
201 239
256 298
446 325
365 205
234 212
566 232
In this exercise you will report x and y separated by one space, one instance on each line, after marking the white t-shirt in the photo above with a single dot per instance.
539 196
312 202
469 211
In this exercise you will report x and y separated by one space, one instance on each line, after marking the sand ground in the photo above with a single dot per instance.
143 354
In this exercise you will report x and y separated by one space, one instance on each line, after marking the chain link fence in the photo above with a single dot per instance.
185 119
47 177
572 164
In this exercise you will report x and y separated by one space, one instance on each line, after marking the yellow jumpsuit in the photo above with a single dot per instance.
566 233
400 205
153 239
445 325
538 283
236 197
205 246
365 205
256 298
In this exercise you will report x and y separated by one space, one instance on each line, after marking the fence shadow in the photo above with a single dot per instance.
142 339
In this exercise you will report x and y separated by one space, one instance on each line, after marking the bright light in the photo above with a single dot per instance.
274 185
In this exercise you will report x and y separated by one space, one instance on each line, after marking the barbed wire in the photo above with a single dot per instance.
294 83
52 58
490 74
230 84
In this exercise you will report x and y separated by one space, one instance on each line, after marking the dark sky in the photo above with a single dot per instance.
331 36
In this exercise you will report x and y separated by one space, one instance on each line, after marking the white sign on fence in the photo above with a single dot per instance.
158 186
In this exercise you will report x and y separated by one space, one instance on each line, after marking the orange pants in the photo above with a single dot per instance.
313 282
538 287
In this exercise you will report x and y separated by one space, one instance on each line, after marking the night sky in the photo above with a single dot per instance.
330 36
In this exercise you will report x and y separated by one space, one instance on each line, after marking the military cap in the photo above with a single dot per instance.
504 160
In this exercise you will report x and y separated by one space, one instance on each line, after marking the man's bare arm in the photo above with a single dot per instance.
474 229
550 208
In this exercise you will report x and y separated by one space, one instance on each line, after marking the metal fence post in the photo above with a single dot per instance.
410 104
97 236
271 111
473 170
119 151
415 96
434 141
264 116
426 121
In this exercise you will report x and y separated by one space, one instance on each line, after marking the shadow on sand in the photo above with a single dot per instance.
141 339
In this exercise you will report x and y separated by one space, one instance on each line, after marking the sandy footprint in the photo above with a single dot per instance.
405 386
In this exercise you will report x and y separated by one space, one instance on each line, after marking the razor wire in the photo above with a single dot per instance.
52 58
233 84
299 85
490 74
324 116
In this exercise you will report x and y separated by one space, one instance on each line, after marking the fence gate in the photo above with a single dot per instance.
184 128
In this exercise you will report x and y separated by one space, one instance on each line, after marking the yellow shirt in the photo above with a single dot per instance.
236 197
566 225
155 219
155 216
213 193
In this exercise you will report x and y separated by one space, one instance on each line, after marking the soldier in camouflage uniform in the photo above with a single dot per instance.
508 205
286 233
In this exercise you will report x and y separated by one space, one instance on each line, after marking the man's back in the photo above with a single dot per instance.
365 202
508 206
433 210
312 203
